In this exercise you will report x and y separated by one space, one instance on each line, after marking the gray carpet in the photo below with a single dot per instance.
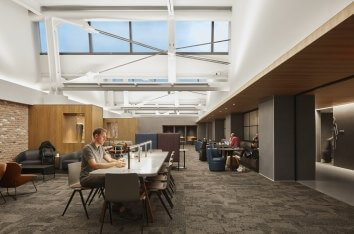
205 202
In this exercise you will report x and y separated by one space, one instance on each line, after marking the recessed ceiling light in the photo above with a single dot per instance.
219 111
225 108
234 104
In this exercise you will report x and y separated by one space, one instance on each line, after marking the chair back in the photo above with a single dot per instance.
74 170
212 153
13 171
122 187
2 169
209 156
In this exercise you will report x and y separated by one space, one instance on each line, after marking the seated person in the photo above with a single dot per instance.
92 159
234 141
254 144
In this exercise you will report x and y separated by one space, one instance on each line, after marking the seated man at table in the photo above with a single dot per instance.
234 141
92 159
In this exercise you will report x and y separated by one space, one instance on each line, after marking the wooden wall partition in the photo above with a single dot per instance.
67 127
121 129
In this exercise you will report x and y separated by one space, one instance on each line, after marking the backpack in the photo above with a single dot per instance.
47 156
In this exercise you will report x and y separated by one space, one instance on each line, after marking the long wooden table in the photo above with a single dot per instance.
148 166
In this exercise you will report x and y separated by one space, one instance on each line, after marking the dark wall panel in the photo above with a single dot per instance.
326 129
237 125
344 153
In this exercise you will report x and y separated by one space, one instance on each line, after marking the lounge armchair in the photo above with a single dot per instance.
13 177
2 172
215 161
29 157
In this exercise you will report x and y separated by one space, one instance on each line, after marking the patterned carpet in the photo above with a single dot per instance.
205 202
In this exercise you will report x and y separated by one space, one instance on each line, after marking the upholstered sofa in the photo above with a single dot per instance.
215 161
70 158
29 157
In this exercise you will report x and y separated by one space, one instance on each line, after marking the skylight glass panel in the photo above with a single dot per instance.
105 44
191 80
72 39
192 33
42 37
221 32
152 33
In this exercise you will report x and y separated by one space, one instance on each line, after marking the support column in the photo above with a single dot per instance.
218 129
236 125
201 131
277 138
305 138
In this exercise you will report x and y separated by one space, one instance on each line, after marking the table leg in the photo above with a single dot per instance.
43 174
184 159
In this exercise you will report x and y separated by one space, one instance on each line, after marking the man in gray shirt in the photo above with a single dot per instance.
92 159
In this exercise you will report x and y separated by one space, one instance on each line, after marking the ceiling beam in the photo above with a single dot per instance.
30 5
137 15
134 8
140 87
156 107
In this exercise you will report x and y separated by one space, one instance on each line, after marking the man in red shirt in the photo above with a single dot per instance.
234 141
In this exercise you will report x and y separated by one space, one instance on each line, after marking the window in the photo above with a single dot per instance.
42 36
250 125
102 43
192 33
221 32
72 39
152 33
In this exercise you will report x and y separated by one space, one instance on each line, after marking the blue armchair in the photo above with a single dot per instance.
70 158
197 145
215 161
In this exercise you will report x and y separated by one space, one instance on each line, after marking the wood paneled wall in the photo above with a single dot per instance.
46 122
127 127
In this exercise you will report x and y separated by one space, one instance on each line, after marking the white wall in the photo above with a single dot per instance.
19 47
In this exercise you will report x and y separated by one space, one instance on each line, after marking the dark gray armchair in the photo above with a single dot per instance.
70 158
29 157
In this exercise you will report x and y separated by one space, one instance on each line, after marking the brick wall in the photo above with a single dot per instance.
13 130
